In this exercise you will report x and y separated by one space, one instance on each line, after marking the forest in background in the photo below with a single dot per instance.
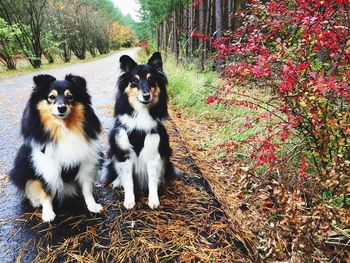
189 28
59 28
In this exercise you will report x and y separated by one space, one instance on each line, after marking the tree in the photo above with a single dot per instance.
218 19
8 46
29 16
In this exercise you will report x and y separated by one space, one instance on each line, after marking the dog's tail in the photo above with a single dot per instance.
171 171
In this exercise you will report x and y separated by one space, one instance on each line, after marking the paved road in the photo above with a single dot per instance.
188 226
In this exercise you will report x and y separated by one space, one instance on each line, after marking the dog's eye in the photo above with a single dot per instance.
69 97
135 80
149 78
52 97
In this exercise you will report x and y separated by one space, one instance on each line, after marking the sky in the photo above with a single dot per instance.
128 7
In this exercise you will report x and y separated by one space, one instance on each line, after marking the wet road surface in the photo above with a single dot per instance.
188 225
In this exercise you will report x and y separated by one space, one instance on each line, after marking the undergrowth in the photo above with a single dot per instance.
293 223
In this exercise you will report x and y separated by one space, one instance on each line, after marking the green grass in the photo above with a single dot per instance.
189 89
23 66
339 201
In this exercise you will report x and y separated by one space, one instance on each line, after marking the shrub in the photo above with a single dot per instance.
299 51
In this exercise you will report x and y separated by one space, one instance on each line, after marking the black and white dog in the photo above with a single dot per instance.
139 155
61 148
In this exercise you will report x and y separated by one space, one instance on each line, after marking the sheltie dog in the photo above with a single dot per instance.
139 155
61 153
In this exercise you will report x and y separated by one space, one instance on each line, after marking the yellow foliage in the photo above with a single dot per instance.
121 35
61 5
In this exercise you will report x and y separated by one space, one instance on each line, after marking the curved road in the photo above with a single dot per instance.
189 226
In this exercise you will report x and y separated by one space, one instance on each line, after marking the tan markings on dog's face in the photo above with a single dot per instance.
149 76
52 96
54 125
133 93
155 91
76 118
68 95
35 191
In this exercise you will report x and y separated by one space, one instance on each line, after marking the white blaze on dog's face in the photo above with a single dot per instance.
60 102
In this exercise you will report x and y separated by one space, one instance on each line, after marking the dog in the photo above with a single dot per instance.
139 154
61 154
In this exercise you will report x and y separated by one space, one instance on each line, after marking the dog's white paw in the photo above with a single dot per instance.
35 202
153 203
95 208
129 203
48 215
117 183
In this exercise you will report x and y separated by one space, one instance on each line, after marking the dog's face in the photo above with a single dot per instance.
142 88
58 97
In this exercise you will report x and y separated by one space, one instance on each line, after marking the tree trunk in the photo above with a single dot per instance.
238 5
218 27
49 57
158 37
175 36
67 53
201 40
190 29
208 22
165 31
229 14
218 19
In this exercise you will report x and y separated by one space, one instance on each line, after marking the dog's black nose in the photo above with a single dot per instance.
146 96
62 109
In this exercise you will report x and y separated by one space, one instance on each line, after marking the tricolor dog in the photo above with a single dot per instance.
60 155
139 155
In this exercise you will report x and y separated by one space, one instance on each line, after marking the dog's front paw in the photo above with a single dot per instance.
48 215
129 203
153 203
95 208
117 183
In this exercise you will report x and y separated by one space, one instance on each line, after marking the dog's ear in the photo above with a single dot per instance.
76 80
156 61
127 63
42 80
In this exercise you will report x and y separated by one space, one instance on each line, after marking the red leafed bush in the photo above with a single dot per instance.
298 51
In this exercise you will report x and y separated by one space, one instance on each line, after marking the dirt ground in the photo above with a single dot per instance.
190 224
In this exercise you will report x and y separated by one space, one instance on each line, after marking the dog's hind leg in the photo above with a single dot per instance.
37 195
86 175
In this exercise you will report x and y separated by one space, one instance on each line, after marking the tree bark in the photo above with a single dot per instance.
229 14
218 19
190 29
158 38
175 36
201 40
238 5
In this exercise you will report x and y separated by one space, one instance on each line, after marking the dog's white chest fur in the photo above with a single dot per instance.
140 120
71 150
